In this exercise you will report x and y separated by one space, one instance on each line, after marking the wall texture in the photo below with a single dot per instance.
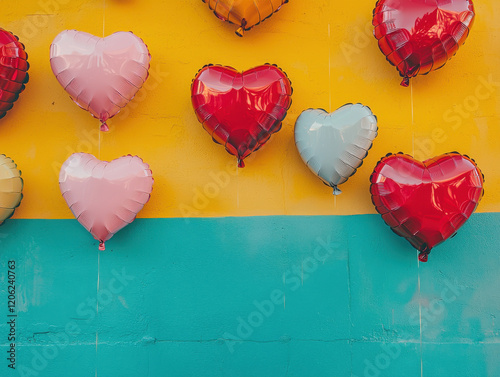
256 271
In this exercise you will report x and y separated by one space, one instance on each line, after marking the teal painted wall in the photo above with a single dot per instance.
260 296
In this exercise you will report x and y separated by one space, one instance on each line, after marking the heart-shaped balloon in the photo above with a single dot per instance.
101 75
334 145
244 13
426 202
11 187
241 110
13 70
105 196
419 36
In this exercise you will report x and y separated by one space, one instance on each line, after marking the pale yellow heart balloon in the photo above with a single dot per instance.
11 187
245 13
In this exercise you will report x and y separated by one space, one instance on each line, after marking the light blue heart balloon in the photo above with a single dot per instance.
334 145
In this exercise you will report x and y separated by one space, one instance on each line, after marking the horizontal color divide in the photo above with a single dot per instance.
251 296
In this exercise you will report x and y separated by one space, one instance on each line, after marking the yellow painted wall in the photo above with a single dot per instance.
325 48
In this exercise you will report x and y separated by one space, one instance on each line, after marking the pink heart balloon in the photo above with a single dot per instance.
105 196
101 75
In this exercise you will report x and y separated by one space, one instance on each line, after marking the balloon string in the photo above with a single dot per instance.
412 120
99 144
103 16
103 27
99 251
237 189
330 96
418 259
97 312
329 70
420 319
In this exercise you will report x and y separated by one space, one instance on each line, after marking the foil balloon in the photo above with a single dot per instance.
426 202
334 145
101 75
105 196
11 187
241 110
420 36
244 13
13 70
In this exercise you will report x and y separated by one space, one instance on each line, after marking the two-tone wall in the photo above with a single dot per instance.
257 271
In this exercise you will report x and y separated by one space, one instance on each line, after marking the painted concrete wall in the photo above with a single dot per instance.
269 275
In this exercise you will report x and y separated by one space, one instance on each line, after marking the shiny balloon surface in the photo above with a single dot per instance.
105 196
241 110
426 202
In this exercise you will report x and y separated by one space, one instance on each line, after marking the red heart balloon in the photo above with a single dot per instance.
13 70
426 202
241 110
419 36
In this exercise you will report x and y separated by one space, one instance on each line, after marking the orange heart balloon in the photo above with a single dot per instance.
244 13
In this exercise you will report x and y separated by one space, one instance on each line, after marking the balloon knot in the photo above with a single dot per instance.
102 247
424 256
241 164
336 190
405 82
104 127
241 30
